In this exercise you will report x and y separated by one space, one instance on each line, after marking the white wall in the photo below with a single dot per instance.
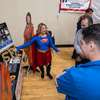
62 25
96 8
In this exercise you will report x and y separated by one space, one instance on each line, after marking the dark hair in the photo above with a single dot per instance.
89 18
88 10
28 14
92 33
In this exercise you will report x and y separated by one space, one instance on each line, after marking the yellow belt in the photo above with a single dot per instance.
43 51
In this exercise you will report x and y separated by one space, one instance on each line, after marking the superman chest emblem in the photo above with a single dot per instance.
44 40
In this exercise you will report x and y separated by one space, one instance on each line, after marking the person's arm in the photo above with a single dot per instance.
77 47
26 44
76 44
66 84
52 45
78 59
79 24
81 55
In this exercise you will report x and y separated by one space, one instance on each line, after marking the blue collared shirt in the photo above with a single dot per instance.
81 82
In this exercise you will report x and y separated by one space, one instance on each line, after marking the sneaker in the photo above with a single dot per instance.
50 76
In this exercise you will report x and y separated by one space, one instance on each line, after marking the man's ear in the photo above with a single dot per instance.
91 46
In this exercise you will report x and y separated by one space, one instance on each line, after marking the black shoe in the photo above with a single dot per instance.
49 75
37 70
42 75
25 67
31 67
42 71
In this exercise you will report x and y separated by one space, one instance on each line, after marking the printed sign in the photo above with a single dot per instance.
6 44
74 5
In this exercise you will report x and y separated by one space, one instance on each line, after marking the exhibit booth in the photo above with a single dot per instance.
11 72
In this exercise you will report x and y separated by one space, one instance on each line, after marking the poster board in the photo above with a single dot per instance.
6 44
78 6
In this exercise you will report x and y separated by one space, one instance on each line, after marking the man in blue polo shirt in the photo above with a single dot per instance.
83 82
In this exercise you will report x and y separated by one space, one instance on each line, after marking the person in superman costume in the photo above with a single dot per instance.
43 42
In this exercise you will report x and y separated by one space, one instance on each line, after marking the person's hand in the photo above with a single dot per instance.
57 76
78 59
58 53
15 50
82 55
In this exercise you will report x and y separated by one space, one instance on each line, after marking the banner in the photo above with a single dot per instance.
79 6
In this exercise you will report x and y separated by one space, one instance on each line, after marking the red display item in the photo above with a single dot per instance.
12 77
6 93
